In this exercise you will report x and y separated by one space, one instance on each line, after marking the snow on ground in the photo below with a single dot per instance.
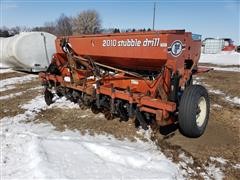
3 66
214 172
38 151
9 83
19 93
5 70
230 69
184 163
11 95
223 58
232 100
217 106
63 103
237 166
219 159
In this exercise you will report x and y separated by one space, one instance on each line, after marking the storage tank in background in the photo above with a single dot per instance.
28 51
212 46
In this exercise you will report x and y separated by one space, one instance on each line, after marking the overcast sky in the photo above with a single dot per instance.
211 18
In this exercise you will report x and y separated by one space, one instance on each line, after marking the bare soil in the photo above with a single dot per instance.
11 74
221 138
86 121
21 87
228 82
11 107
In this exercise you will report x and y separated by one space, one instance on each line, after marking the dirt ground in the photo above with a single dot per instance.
222 136
228 82
221 139
10 75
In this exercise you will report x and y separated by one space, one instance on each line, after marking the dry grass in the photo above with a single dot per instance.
11 107
11 75
21 87
86 121
228 82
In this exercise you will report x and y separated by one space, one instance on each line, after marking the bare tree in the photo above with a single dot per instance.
64 25
25 29
87 22
49 27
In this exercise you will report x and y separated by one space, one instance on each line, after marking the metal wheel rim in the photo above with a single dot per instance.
201 115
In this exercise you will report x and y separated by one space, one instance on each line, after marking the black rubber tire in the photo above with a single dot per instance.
48 96
189 82
94 109
59 94
188 109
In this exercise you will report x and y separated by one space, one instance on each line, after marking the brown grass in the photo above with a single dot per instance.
11 75
228 82
21 87
95 124
10 107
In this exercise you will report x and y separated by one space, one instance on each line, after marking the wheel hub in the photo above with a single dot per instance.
201 112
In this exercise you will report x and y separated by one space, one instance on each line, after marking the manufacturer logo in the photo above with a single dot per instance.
176 48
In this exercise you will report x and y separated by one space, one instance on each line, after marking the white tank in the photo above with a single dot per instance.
29 51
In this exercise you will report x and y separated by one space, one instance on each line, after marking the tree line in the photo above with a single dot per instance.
86 22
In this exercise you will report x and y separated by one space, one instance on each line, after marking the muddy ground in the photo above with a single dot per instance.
221 139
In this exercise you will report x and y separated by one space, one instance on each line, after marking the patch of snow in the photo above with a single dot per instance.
2 65
99 116
216 91
186 170
184 164
235 100
5 70
219 159
214 172
11 95
37 151
198 78
83 116
5 83
64 104
186 159
223 58
145 133
35 105
237 166
18 93
231 69
216 106
204 175
7 88
196 82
